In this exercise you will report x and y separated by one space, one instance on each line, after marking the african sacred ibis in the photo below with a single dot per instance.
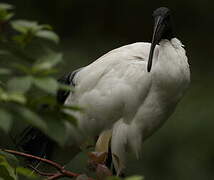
128 93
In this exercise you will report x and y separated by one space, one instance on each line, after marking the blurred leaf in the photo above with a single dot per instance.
4 52
134 178
3 95
5 15
4 71
24 26
48 72
65 87
69 118
47 100
49 85
9 16
13 161
22 39
49 35
17 97
32 118
13 96
74 108
22 68
6 171
20 84
46 27
2 84
5 6
5 120
48 61
25 172
56 130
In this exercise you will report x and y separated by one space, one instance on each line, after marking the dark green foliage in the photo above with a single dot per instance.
27 80
27 83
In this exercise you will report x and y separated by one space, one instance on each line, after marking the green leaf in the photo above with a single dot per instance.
4 71
134 178
21 39
20 84
69 118
24 26
12 160
48 100
8 16
49 85
5 120
4 52
65 87
74 108
3 94
25 172
22 68
46 27
32 118
17 97
56 130
13 96
4 14
6 171
2 84
5 6
49 35
48 61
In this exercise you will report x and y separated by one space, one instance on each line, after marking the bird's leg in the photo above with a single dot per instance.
103 145
103 148
103 141
100 161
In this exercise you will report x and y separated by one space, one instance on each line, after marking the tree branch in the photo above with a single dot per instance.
61 171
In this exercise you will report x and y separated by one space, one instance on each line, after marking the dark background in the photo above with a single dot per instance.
183 148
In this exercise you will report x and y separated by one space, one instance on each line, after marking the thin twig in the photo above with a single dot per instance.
41 173
51 163
62 172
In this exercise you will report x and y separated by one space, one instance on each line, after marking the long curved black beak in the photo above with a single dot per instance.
158 30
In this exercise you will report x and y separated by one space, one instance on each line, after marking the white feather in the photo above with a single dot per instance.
117 92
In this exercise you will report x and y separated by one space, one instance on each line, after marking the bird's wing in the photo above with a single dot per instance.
35 142
112 87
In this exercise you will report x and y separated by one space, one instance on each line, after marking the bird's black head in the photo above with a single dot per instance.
162 30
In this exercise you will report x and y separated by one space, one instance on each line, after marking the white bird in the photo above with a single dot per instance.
133 89
128 93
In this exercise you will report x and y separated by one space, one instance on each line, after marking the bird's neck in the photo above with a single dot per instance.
171 70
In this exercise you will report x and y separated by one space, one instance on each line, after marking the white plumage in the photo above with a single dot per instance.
117 92
117 88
